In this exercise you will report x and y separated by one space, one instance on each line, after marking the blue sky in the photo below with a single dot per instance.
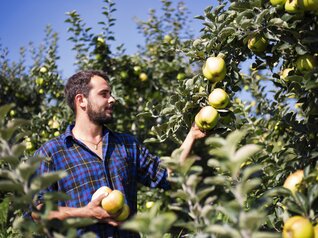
23 21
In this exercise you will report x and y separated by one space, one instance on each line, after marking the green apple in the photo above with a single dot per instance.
257 43
56 134
181 76
43 69
39 81
12 113
218 98
114 202
214 69
207 118
298 227
277 2
306 63
137 69
293 6
100 40
293 180
167 39
98 57
149 204
123 74
310 5
143 77
124 213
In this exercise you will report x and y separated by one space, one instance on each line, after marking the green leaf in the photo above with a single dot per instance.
4 110
10 186
266 235
245 152
45 180
79 222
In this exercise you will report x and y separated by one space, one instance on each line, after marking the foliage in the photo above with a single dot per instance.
232 185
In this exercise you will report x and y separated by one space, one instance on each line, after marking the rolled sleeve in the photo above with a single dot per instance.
151 173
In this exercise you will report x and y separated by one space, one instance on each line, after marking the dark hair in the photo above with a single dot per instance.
79 84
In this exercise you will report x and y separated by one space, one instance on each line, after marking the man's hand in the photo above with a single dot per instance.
194 134
97 212
91 210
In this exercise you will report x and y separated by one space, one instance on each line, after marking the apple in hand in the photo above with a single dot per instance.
218 98
257 43
298 227
306 63
293 180
214 69
100 191
114 202
124 213
207 118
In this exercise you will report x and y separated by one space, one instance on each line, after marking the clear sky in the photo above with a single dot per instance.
23 21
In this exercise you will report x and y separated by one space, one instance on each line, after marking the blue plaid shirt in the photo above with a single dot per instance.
125 163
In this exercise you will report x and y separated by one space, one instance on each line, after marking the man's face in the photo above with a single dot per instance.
100 101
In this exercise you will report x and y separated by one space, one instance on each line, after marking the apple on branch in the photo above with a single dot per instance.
218 98
214 69
298 227
207 118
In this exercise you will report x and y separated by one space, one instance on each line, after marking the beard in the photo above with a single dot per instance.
98 117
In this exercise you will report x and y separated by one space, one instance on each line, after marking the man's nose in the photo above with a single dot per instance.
111 100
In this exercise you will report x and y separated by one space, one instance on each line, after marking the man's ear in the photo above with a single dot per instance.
80 101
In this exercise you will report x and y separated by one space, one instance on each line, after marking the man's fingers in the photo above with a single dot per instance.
112 222
99 199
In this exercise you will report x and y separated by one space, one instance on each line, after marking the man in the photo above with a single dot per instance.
93 156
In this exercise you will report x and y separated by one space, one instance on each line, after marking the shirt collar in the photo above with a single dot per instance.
69 138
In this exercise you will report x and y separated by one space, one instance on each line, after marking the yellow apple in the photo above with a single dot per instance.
149 204
293 180
316 230
167 39
214 69
137 69
143 77
277 2
293 6
43 69
124 213
298 227
207 118
305 63
310 5
114 202
181 76
39 81
100 191
257 43
218 98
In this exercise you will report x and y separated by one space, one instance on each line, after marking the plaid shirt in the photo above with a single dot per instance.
125 163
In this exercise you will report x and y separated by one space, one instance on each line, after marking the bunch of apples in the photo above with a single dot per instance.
296 6
114 203
297 226
214 70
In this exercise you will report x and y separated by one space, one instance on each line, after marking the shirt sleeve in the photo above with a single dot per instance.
150 172
46 166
